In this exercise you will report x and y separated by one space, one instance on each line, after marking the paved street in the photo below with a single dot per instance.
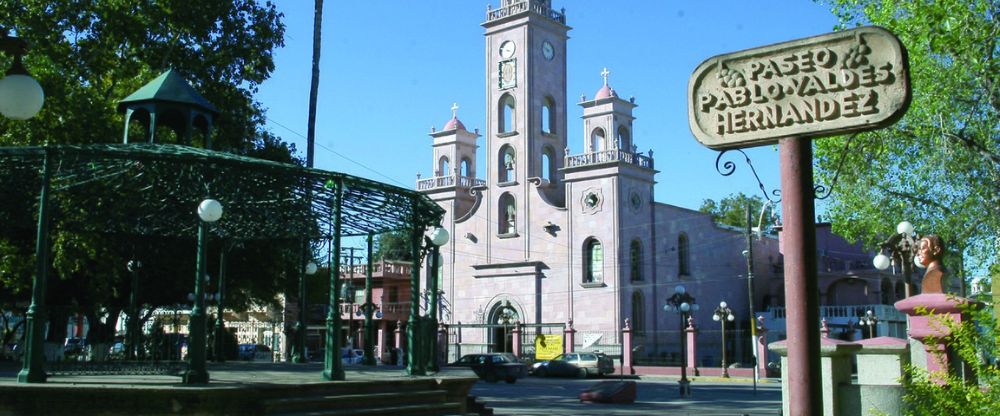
553 396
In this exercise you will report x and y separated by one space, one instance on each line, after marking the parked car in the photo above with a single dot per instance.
117 351
248 352
575 365
74 345
352 356
494 366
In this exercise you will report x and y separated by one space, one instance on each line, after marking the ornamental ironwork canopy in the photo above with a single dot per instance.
154 189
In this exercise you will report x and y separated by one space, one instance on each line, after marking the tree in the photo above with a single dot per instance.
393 245
88 56
731 211
939 166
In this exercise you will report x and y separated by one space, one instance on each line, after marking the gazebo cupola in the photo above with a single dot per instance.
171 102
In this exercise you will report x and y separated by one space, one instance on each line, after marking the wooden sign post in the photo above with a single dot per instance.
789 93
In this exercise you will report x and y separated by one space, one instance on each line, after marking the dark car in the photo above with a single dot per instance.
575 365
248 352
75 345
494 366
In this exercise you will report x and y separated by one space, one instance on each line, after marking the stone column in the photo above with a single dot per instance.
570 335
692 353
442 340
516 339
929 329
399 343
835 370
627 348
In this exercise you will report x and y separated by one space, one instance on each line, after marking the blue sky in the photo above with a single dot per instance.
392 69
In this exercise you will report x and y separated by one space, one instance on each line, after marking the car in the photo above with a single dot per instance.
352 356
74 345
117 351
493 367
573 364
248 352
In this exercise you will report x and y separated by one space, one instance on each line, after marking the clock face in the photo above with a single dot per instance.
548 51
508 74
507 49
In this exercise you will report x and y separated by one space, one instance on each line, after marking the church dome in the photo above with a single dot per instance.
605 92
453 124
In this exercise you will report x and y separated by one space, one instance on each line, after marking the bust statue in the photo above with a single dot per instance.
929 253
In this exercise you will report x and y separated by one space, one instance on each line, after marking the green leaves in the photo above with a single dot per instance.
939 166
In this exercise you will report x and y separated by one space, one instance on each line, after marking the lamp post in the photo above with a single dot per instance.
438 238
21 97
417 356
869 320
209 211
901 247
723 314
682 303
299 355
134 336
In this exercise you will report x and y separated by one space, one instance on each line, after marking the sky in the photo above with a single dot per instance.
391 69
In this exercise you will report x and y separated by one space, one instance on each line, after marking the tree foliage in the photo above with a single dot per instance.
89 55
976 342
393 245
731 211
939 166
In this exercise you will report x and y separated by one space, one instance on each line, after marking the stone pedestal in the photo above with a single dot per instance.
692 352
516 339
835 371
627 351
878 391
761 347
930 329
570 337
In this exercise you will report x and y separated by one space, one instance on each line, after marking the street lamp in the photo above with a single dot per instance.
421 329
134 337
682 303
869 320
299 355
901 247
209 210
723 314
438 238
20 95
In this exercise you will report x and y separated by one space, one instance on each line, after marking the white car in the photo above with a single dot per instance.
352 356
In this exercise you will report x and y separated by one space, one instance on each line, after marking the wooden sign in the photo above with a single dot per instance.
825 85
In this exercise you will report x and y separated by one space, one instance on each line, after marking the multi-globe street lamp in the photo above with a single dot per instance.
209 211
682 303
21 97
869 320
902 246
722 315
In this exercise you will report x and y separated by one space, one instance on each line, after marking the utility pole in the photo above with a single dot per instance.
753 322
348 293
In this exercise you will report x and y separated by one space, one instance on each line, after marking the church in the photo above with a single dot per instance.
544 236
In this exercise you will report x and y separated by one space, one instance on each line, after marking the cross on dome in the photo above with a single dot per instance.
605 73
454 110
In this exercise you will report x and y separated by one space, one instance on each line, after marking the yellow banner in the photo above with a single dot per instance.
548 347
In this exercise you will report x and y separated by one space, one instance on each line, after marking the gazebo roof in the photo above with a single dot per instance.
168 87
154 189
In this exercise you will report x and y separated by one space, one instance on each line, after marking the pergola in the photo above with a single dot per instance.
153 190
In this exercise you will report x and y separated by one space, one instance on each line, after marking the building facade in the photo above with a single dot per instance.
543 236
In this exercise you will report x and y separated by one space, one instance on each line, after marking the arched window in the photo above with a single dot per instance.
597 140
683 256
638 313
635 260
508 214
505 120
887 292
466 168
443 167
593 262
548 168
548 115
901 290
506 164
624 141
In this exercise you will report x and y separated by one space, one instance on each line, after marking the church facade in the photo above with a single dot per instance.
544 236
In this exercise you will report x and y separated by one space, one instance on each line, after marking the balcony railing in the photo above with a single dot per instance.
883 312
609 156
448 181
535 6
380 269
390 310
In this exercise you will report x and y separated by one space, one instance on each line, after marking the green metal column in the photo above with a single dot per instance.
134 337
432 309
299 355
369 358
414 361
220 325
33 370
198 373
333 368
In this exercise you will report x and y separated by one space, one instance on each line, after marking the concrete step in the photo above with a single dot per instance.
437 409
352 401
